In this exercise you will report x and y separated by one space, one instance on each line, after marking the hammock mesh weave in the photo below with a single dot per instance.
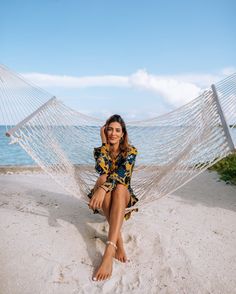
172 148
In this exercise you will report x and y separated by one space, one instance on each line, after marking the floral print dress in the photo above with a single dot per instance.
118 171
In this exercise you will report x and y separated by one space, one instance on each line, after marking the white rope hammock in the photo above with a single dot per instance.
173 148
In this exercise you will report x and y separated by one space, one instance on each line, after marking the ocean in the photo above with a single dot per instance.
14 155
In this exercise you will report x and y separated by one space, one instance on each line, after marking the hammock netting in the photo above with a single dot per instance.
172 148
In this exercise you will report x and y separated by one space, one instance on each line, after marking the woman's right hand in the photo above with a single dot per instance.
103 135
97 199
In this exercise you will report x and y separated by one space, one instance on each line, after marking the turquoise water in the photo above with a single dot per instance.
14 155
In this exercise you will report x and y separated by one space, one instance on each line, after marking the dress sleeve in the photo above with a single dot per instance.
101 159
123 173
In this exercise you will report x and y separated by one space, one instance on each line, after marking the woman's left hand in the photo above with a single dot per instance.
97 199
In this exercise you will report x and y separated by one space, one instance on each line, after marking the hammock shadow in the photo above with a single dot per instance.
71 210
61 206
206 189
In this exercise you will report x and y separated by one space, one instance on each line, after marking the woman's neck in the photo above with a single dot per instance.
114 148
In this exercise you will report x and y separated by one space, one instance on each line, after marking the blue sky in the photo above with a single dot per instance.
136 58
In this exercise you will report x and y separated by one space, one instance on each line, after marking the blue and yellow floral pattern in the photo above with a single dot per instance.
118 170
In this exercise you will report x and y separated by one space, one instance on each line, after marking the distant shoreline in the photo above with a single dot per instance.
6 169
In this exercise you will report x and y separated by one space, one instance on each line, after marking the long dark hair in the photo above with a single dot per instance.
124 142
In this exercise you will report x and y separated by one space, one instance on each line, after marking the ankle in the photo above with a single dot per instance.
110 249
109 253
112 244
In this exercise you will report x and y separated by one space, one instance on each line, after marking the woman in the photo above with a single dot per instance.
112 193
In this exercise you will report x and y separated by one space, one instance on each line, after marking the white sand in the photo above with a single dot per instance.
51 242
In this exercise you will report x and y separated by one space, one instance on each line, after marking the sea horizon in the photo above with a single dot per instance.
12 155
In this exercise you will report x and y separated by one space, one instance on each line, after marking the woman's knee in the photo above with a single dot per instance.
121 193
121 188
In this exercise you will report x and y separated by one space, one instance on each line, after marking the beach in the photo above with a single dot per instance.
52 243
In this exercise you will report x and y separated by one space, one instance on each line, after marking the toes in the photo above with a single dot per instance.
101 277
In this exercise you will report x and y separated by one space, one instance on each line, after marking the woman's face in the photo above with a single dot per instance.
114 132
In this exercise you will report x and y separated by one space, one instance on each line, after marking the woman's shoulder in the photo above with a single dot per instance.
132 150
102 149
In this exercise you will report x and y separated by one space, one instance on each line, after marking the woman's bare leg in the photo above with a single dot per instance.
120 199
120 253
106 207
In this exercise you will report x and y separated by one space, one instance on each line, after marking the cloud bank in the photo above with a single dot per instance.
175 89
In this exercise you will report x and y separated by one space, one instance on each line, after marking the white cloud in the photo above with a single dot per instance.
46 80
228 70
175 92
175 89
128 115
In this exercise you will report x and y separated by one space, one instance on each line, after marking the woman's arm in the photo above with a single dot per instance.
103 135
102 167
101 155
101 159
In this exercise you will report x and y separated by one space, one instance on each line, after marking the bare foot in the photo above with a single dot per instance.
120 252
120 255
104 271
